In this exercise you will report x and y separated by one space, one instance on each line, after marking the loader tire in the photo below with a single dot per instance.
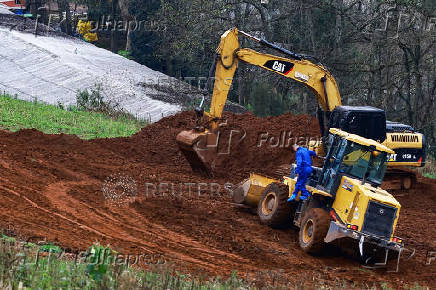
273 208
313 230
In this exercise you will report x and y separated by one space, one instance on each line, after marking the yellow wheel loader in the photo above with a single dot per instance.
199 145
345 198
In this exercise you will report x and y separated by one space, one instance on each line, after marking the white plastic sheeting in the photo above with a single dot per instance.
4 9
52 69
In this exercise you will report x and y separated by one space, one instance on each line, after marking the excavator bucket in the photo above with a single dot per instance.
199 149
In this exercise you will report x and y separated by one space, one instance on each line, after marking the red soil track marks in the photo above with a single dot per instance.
51 187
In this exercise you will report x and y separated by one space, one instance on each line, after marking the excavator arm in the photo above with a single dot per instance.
314 76
199 145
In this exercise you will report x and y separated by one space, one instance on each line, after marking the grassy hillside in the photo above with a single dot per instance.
18 114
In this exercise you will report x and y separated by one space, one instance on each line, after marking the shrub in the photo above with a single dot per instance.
125 53
92 100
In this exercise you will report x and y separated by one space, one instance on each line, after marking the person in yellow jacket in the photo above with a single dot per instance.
84 28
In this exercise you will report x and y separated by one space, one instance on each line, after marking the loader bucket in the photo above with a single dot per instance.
250 190
199 150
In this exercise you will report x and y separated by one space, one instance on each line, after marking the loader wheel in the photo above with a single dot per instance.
273 208
313 230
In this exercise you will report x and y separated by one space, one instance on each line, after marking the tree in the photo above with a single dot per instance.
114 34
64 7
382 53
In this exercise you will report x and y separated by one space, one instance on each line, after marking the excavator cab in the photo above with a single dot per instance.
362 162
364 121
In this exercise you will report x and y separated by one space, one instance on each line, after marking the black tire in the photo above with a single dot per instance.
273 208
313 230
408 182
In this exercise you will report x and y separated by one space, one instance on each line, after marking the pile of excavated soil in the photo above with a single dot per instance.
247 143
73 192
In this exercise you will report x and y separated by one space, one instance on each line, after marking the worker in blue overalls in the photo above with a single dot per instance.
304 170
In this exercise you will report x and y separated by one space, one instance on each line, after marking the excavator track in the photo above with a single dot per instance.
400 179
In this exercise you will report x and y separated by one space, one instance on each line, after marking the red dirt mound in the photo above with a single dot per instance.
247 143
56 187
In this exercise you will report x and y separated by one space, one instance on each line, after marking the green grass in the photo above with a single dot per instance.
29 266
50 248
125 53
20 268
429 175
18 114
429 170
4 238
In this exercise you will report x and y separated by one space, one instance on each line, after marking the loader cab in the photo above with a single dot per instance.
348 155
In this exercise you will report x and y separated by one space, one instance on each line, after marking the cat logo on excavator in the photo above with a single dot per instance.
283 67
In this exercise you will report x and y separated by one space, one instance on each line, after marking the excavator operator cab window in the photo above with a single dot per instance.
367 122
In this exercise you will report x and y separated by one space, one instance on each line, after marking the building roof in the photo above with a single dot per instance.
11 4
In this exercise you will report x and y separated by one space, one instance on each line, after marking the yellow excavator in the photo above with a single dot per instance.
199 145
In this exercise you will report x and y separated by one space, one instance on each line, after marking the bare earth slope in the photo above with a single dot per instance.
54 186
